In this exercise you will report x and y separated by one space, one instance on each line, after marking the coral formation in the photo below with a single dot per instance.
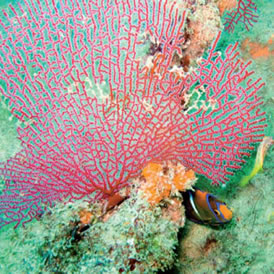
257 50
245 13
162 180
95 107
75 238
95 100
203 26
224 5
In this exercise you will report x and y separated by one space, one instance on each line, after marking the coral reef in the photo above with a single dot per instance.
119 106
92 120
77 237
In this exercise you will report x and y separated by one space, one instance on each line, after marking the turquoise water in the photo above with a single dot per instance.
244 246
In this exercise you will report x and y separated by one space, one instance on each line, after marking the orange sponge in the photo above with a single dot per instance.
161 180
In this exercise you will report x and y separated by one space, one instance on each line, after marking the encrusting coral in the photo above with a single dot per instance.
224 5
258 50
163 180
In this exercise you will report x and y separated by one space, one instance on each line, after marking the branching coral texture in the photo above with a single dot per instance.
245 13
96 105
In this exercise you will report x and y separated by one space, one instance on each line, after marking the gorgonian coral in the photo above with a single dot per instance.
244 13
98 95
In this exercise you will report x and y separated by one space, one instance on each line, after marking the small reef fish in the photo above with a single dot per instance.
204 208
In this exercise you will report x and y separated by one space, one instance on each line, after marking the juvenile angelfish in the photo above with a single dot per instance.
204 208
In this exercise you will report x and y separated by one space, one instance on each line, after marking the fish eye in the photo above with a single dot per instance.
217 212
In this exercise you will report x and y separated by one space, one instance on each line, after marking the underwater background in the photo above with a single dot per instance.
246 245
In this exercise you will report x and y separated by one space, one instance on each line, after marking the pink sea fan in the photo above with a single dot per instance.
96 106
245 13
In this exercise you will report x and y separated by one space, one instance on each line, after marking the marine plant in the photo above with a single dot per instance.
98 97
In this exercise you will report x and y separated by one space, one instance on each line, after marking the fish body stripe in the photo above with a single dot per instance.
209 206
191 198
